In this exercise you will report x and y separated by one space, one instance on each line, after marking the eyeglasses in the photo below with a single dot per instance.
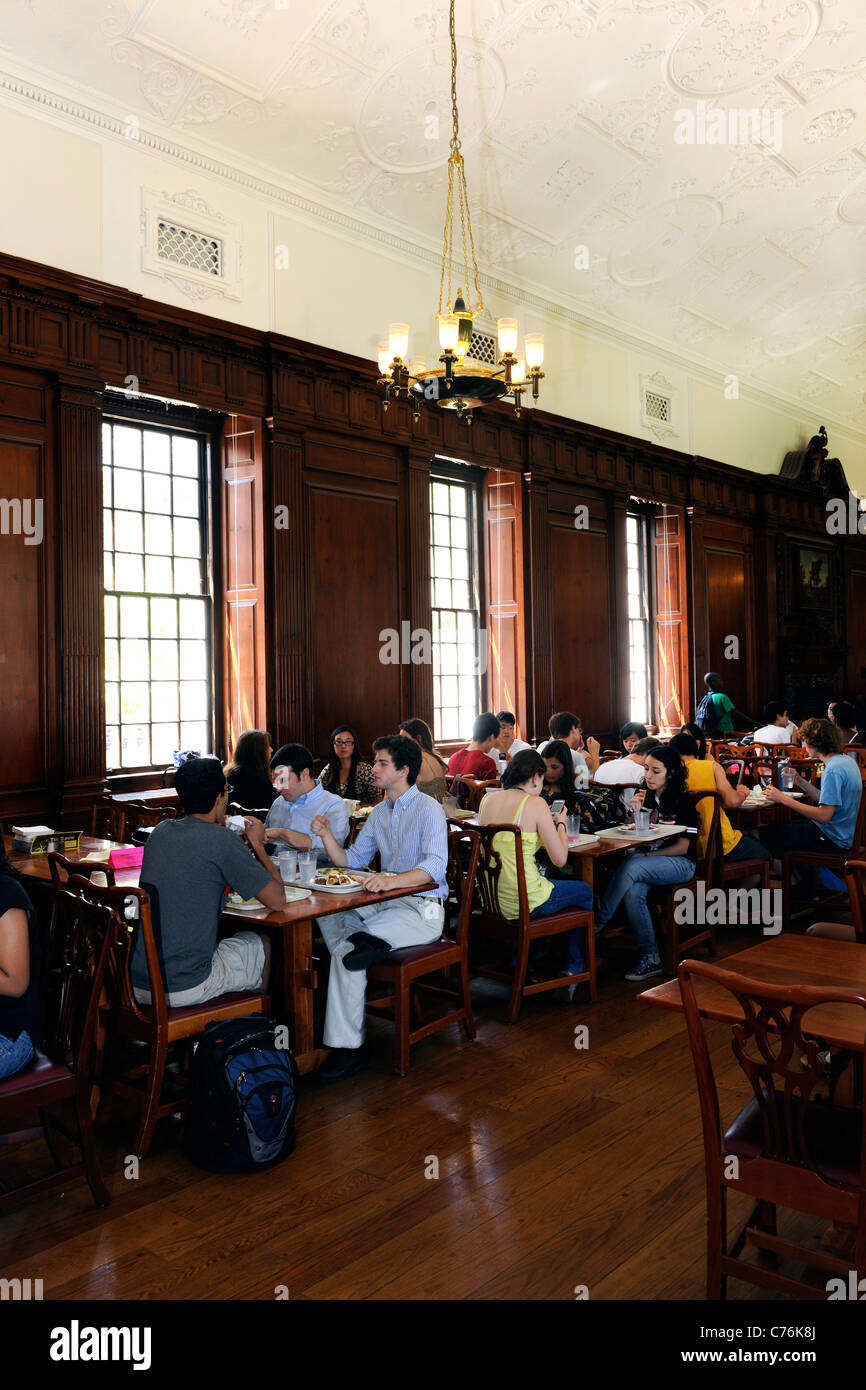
344 743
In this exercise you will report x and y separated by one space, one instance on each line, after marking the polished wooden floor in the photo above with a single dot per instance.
558 1167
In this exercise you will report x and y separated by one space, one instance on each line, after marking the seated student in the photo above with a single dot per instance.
630 734
522 802
829 825
186 868
628 770
345 775
664 862
301 798
778 728
508 745
558 775
844 716
566 727
474 760
248 775
705 750
431 779
719 709
409 831
20 1014
703 776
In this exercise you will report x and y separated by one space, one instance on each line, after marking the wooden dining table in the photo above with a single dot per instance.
786 959
292 923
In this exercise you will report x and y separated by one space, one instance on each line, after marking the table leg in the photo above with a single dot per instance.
299 981
584 864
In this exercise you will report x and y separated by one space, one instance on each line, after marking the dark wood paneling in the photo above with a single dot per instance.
353 599
856 607
420 599
289 646
583 676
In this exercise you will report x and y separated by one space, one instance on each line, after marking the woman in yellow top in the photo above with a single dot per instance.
520 803
709 776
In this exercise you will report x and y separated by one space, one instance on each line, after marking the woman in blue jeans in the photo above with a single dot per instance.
19 974
520 803
668 861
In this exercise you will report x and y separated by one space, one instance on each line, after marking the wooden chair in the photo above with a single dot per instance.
725 871
470 791
664 903
140 814
66 1070
488 920
854 750
154 1024
789 1150
855 930
407 970
108 819
62 869
832 859
256 813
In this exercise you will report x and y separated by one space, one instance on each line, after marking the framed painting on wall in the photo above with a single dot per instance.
813 578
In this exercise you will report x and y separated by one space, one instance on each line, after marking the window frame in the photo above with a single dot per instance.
469 477
175 418
641 512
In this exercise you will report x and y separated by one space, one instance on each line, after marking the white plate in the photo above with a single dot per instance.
252 905
336 887
294 894
655 833
578 841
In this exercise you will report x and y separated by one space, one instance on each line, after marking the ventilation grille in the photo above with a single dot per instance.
482 348
657 407
190 249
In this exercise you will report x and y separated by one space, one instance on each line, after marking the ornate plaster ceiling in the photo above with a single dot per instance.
749 254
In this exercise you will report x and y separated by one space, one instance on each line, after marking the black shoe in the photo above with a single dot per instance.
371 950
341 1062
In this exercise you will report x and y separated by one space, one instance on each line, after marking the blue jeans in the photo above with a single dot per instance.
632 882
567 894
14 1055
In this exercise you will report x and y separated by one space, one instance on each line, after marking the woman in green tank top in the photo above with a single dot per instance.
520 803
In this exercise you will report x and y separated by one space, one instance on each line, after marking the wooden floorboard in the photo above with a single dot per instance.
559 1166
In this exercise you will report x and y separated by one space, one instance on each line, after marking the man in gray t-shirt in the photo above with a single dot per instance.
186 868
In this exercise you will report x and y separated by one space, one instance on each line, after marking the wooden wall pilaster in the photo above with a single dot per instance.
289 695
420 604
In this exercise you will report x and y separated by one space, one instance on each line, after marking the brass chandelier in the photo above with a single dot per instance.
454 385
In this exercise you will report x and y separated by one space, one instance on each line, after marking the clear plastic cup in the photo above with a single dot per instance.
307 863
572 823
642 820
288 865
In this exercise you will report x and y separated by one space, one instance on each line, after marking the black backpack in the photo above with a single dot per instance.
601 808
242 1098
706 717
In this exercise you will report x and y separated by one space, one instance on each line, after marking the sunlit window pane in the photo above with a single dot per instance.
455 619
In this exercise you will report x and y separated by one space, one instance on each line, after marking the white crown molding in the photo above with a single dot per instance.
266 184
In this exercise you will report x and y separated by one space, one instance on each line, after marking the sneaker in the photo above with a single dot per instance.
565 994
647 969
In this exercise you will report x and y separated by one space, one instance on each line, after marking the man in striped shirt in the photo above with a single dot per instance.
409 831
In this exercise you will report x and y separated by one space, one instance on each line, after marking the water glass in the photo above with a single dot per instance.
288 865
786 776
572 823
307 864
642 820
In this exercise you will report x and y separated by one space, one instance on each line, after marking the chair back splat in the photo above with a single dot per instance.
788 1146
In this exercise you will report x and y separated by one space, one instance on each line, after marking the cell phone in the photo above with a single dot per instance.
558 807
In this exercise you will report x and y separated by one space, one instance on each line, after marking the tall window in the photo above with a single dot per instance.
638 620
457 641
158 688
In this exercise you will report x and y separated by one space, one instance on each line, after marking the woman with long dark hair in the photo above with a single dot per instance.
345 774
558 775
664 862
695 731
248 775
20 1021
431 778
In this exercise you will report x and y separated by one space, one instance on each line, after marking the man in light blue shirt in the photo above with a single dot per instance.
410 833
302 798
830 824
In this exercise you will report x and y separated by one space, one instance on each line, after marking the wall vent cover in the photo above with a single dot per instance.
184 247
482 348
657 407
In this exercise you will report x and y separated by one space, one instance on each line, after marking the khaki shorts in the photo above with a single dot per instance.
237 963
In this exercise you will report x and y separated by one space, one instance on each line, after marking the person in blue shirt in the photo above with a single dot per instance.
409 831
301 799
830 824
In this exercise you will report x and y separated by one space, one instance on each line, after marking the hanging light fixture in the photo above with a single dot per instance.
453 385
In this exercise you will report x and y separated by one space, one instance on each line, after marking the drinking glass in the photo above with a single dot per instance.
288 865
572 823
642 820
787 776
307 866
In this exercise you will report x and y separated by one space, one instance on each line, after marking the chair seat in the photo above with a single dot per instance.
41 1071
832 1135
410 955
215 1005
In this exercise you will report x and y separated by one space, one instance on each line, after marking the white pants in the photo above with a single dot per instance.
412 921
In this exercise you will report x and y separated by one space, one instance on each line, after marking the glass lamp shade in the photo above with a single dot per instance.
417 366
518 372
507 333
449 328
534 346
384 358
464 334
398 339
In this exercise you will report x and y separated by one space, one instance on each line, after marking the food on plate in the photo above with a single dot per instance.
333 878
